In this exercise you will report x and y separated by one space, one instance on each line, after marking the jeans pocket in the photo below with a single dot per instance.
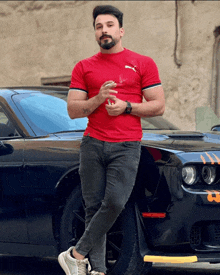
132 144
85 140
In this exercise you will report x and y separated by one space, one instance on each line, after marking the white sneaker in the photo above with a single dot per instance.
72 266
95 273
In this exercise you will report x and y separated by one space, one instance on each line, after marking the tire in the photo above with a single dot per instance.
122 254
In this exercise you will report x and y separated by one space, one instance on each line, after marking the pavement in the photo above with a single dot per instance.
34 266
185 269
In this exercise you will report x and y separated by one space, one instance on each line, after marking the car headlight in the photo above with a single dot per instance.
189 175
208 174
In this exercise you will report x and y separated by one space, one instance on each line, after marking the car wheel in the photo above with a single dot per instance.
122 254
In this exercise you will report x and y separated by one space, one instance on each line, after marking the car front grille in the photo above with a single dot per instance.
205 236
195 235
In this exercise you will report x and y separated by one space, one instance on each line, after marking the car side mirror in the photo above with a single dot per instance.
216 128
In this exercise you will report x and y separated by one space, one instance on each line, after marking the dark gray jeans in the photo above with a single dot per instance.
108 172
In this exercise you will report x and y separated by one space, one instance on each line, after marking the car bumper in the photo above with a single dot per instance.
193 221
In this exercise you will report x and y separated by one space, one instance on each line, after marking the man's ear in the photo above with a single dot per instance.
122 32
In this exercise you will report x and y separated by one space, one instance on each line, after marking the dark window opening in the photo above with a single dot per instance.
56 81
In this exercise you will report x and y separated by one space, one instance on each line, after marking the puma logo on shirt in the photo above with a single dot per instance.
129 67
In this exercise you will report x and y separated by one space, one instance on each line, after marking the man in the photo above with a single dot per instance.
109 88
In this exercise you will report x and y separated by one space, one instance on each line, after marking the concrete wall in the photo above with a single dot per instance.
40 39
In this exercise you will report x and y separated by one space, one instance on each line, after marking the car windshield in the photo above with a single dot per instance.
46 112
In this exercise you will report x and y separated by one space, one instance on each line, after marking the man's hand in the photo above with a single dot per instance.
106 91
116 108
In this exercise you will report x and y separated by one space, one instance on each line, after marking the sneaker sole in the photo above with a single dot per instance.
61 260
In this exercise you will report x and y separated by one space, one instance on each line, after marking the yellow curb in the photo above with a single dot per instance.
173 260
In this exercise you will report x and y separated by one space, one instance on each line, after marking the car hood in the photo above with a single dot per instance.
170 140
182 141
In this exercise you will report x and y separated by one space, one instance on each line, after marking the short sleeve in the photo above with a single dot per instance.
150 74
77 78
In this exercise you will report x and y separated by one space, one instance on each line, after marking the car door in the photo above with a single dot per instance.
13 227
46 160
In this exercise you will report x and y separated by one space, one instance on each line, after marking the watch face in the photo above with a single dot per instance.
128 108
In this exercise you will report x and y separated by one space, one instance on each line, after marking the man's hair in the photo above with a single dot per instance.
108 9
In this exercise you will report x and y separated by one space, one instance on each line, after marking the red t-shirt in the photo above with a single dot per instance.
133 73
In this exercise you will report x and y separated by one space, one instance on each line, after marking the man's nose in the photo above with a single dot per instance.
104 30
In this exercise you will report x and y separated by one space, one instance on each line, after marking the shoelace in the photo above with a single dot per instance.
82 266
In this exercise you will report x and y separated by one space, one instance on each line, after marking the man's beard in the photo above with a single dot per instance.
107 45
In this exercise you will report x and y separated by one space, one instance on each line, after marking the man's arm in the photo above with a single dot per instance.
153 106
78 105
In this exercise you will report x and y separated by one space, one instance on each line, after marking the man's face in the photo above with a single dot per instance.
107 31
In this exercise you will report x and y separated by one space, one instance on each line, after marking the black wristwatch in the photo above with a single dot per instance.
128 108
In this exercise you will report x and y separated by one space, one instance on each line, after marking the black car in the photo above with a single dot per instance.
173 214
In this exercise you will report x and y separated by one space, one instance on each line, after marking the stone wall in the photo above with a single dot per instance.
45 39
